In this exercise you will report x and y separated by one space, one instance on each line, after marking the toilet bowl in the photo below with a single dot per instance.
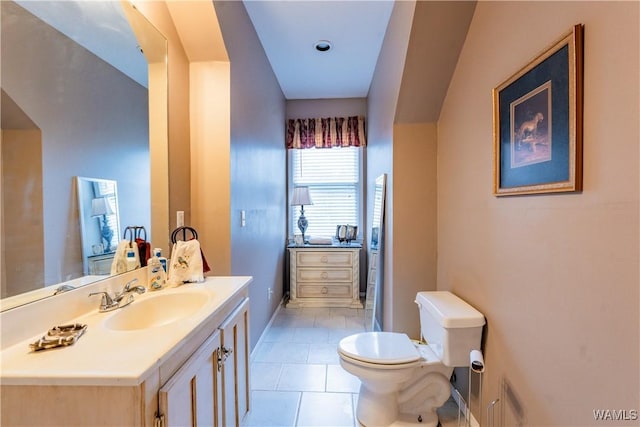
403 382
382 361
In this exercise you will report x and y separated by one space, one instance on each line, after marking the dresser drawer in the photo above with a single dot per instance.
324 275
100 264
319 259
323 290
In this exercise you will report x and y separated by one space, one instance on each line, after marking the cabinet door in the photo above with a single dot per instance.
235 368
192 397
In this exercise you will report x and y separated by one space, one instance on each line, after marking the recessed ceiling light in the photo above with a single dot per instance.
323 45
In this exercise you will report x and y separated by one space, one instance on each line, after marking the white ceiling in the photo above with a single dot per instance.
288 31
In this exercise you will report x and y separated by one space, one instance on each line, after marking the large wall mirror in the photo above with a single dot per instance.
71 108
374 293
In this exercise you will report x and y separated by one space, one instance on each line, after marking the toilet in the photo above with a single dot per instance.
403 382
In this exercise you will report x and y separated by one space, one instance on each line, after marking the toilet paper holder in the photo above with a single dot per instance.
476 361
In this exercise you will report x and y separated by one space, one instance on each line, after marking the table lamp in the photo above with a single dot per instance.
300 198
100 206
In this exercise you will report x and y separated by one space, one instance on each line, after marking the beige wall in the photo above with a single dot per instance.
22 210
210 162
438 32
414 225
555 275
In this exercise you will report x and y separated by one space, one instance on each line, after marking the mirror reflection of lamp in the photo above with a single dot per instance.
100 206
300 198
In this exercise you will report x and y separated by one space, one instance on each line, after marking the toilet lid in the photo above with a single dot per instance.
383 348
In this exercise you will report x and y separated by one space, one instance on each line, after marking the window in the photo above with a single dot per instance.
333 178
107 189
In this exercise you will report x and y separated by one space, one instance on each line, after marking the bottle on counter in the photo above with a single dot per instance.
156 275
157 252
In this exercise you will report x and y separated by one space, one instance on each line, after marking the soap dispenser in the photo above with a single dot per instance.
157 252
156 275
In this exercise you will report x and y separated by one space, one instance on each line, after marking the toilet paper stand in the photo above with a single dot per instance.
461 404
476 365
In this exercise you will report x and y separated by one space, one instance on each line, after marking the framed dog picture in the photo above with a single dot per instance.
537 123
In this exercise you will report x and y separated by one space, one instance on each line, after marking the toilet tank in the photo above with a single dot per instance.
450 326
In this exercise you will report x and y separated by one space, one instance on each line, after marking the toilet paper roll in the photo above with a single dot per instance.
476 361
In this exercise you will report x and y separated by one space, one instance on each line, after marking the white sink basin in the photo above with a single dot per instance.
157 310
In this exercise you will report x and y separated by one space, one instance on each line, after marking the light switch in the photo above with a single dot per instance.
243 218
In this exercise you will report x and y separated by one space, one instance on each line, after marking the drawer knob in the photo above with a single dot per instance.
324 275
324 259
325 290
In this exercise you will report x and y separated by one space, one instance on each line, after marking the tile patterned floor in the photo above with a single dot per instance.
296 377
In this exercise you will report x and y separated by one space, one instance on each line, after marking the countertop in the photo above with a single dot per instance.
107 357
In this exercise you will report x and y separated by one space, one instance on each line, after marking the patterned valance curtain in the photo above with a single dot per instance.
326 132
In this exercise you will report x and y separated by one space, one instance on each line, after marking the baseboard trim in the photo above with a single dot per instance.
266 328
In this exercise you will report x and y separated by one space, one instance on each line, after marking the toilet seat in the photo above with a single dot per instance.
379 348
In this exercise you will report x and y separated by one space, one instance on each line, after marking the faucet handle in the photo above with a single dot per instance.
107 303
127 286
106 298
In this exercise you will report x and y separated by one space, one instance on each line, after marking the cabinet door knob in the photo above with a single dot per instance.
324 275
223 355
325 290
324 259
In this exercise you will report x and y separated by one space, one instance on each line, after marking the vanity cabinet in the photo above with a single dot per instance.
234 345
193 395
212 388
324 276
202 381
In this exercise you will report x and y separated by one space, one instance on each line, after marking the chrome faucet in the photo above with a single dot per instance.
64 288
128 289
109 303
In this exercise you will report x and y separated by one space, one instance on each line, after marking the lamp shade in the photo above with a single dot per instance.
301 197
101 206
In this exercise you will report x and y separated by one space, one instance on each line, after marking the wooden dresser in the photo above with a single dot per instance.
101 264
324 276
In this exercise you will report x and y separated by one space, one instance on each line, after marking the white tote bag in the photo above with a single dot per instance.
119 263
186 262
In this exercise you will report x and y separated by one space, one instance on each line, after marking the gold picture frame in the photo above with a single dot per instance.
537 123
